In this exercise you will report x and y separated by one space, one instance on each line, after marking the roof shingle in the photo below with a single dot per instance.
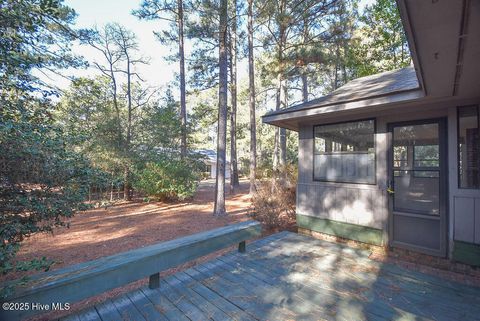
381 84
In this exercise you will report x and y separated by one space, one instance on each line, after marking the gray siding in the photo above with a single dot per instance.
464 203
477 221
360 204
467 219
367 205
354 205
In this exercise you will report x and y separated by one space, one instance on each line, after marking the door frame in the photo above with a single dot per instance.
443 188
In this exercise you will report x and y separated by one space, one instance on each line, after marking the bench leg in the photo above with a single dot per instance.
154 281
241 247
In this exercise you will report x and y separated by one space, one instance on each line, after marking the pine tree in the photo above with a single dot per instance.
383 45
282 25
233 49
251 99
173 12
219 209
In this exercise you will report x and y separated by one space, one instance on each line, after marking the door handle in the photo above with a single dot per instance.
390 189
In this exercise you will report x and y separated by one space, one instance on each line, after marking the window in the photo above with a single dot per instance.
345 152
468 147
426 156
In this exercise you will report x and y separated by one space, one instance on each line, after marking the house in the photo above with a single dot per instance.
394 158
210 161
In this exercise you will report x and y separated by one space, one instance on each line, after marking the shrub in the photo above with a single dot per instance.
274 200
168 179
42 182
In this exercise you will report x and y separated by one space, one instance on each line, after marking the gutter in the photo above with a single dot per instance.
407 26
462 37
339 102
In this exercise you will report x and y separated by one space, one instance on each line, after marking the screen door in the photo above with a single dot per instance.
418 187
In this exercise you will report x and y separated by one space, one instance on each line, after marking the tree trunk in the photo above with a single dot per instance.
339 66
183 102
304 84
283 135
394 51
127 195
344 72
335 79
276 153
115 105
234 181
304 69
126 184
129 105
219 209
251 100
282 132
281 89
111 192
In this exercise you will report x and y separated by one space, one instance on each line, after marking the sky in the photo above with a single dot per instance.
100 12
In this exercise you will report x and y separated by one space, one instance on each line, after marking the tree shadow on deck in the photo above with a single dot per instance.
318 280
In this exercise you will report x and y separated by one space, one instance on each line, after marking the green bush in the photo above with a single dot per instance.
168 179
42 181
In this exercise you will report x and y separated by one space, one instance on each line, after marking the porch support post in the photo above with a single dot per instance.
154 281
242 247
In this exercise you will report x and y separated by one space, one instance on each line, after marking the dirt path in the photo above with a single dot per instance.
102 232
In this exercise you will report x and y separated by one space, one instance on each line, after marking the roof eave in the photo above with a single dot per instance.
291 119
404 15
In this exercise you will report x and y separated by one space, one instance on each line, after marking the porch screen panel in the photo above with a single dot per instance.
468 147
345 152
416 168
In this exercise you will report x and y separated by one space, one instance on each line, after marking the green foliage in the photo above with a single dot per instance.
160 125
42 181
86 112
169 179
203 31
381 43
34 34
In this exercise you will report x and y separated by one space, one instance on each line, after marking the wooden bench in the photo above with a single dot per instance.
87 279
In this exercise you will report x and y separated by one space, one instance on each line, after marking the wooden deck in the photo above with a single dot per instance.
292 277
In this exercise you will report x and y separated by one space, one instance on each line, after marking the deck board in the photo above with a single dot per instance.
164 305
183 303
282 296
228 307
127 308
107 311
410 294
89 314
298 297
413 290
145 306
72 317
311 291
287 276
247 299
207 307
